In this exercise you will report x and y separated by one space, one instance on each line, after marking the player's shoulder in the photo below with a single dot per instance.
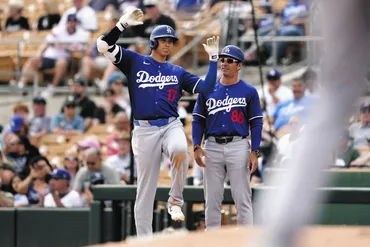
247 86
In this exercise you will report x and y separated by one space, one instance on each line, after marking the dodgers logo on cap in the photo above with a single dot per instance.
169 30
227 50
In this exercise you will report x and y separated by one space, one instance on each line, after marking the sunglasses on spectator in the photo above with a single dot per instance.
90 163
118 83
71 158
228 60
70 106
149 6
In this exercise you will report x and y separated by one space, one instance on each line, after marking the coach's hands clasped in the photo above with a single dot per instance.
131 18
212 48
198 156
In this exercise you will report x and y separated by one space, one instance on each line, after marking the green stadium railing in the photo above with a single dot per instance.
123 198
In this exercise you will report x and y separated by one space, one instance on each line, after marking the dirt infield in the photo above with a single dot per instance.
225 237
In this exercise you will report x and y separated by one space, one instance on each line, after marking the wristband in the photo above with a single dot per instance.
213 58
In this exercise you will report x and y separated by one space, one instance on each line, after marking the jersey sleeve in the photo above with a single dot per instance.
125 59
199 108
254 107
189 82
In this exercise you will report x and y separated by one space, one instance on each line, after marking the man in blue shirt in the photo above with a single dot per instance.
68 123
297 106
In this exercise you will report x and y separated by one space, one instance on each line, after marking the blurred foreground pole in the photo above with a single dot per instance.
345 27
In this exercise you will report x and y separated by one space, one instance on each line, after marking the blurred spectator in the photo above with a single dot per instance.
72 165
21 110
121 162
93 171
121 124
310 80
51 15
295 107
87 143
18 126
99 5
346 153
360 131
7 173
15 21
155 18
274 92
110 108
39 124
14 155
85 14
60 194
118 82
6 198
68 122
85 107
35 185
56 53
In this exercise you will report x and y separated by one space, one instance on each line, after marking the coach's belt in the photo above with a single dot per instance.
225 139
156 122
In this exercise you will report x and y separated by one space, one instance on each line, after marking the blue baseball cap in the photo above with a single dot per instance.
117 75
273 74
233 52
16 123
61 174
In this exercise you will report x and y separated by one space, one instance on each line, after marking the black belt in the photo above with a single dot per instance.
225 139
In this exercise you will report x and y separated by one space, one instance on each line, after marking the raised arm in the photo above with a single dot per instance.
106 44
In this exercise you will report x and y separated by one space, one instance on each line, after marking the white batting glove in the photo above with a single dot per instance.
212 48
131 18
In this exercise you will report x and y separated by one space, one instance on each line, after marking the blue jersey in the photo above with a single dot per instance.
294 10
155 88
228 109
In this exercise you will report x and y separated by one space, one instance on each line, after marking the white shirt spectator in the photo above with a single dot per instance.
76 41
70 200
283 93
121 164
86 15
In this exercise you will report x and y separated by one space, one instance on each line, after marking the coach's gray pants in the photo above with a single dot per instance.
148 144
232 156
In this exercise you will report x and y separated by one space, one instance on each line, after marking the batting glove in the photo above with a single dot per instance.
131 18
212 48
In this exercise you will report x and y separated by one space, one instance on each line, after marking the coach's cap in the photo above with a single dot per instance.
61 174
72 17
273 74
365 107
16 123
233 52
39 100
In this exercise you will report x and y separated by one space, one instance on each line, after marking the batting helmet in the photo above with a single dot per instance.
232 51
161 31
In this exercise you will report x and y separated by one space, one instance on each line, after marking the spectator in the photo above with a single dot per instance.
39 124
72 165
68 122
21 110
35 185
84 105
310 80
121 124
346 153
88 142
18 126
55 53
85 14
121 162
274 92
99 5
92 165
155 18
110 108
118 82
6 198
13 153
15 21
51 16
60 195
7 173
360 131
295 107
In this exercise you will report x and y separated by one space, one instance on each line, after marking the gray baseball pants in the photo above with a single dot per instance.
149 142
232 157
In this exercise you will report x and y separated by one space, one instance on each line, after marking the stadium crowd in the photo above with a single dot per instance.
52 161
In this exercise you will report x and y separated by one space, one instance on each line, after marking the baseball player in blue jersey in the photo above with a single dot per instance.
225 117
155 87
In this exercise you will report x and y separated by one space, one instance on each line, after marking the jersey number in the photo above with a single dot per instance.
237 116
171 95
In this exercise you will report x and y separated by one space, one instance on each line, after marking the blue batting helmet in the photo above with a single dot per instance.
233 52
161 31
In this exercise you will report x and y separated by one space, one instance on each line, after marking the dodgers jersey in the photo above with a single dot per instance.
228 109
155 87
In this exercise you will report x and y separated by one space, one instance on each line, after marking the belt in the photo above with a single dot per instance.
225 139
156 122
